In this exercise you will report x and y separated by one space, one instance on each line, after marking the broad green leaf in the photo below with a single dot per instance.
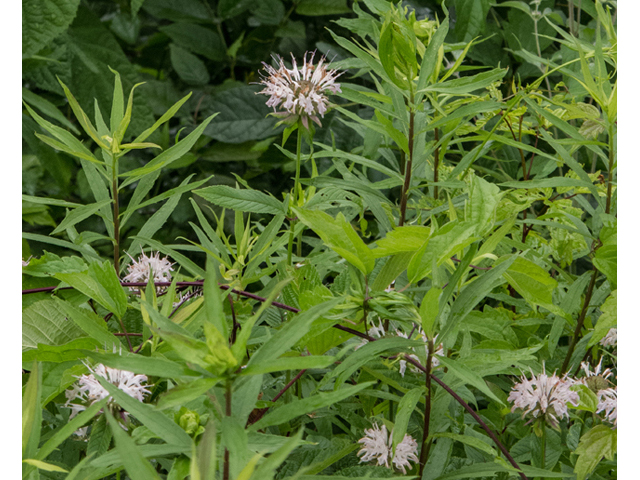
429 310
242 200
340 236
135 464
154 420
483 202
326 7
213 298
45 322
188 66
408 238
100 437
196 38
43 21
296 408
430 57
532 282
80 213
267 469
184 393
466 85
156 366
405 408
600 441
468 440
606 259
607 320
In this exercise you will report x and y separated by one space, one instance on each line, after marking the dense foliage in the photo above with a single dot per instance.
313 239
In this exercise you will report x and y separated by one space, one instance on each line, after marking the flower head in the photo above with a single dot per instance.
434 360
26 262
301 91
544 396
406 450
596 380
608 403
88 389
140 271
610 339
377 445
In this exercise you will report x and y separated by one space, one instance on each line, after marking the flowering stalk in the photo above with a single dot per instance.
296 187
424 451
409 163
116 215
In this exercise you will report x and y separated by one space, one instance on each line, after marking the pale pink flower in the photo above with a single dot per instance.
544 396
610 339
140 271
377 445
608 403
301 92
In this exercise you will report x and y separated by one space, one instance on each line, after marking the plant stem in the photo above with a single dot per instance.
295 196
544 444
424 451
116 215
610 174
227 396
580 322
436 164
408 164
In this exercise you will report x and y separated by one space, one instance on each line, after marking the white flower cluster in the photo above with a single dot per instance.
597 381
610 339
88 389
544 396
140 271
378 446
302 91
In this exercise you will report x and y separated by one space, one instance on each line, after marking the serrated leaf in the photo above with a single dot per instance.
188 67
242 200
600 441
42 21
44 322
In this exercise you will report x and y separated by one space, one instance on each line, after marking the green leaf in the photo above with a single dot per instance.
92 324
48 467
483 202
600 441
197 39
135 464
168 156
163 119
244 116
67 429
469 84
534 283
340 236
80 213
42 21
184 262
182 394
188 67
472 294
100 283
442 244
290 333
314 8
588 400
31 412
468 377
606 259
289 363
607 320
156 365
406 407
471 16
154 420
100 438
242 200
287 412
44 322
46 107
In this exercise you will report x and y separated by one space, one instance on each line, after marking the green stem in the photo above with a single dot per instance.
544 445
424 451
409 163
436 164
227 395
292 224
610 174
116 215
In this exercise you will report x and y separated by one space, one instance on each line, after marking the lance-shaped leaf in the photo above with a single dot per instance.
242 200
340 236
79 214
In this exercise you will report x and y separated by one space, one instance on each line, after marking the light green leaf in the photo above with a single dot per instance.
44 322
92 324
534 283
406 407
48 467
242 200
289 363
80 213
296 408
468 377
600 441
483 202
340 236
45 106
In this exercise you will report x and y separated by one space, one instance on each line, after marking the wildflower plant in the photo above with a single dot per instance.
456 228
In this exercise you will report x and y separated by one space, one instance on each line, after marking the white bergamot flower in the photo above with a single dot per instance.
377 445
608 403
140 271
544 396
301 91
88 389
434 360
610 339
